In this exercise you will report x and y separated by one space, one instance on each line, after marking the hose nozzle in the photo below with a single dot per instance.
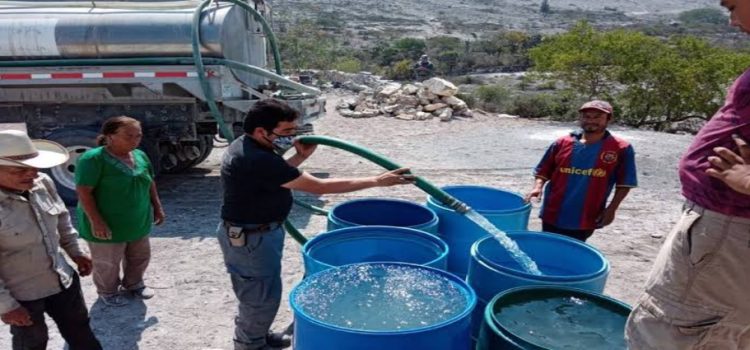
460 207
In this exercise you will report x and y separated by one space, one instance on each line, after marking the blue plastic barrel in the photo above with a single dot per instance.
374 244
495 333
563 261
382 212
451 334
506 210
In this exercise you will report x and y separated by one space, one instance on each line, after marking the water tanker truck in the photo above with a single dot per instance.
187 70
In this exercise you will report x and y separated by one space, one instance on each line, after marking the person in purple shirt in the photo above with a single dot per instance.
696 296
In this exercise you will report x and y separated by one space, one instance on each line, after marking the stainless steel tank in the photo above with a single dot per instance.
227 31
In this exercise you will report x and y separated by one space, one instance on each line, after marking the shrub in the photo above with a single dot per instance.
470 99
493 98
349 65
534 106
401 71
704 16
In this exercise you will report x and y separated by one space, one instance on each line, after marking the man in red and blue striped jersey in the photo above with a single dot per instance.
581 170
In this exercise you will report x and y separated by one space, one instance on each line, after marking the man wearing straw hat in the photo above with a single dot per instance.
35 226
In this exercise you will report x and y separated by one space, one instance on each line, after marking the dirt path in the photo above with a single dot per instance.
194 306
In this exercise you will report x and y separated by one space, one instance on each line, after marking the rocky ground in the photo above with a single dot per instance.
361 19
194 306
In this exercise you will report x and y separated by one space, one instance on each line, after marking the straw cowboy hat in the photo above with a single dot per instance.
17 149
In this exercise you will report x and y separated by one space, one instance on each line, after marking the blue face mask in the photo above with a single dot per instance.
284 143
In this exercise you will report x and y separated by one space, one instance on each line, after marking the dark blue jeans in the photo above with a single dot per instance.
581 235
68 310
255 270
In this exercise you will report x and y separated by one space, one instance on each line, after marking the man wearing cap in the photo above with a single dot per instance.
35 278
580 171
424 69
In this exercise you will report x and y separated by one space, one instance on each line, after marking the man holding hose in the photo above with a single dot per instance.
257 184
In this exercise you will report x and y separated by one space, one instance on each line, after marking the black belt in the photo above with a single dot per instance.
259 229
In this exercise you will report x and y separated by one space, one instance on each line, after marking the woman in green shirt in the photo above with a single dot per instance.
117 205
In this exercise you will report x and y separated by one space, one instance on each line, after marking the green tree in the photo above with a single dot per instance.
656 82
578 57
685 79
545 9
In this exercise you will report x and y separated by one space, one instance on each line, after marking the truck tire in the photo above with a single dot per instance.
207 146
77 142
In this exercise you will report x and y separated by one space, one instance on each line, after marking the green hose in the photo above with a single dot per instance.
386 163
294 232
310 207
201 70
198 58
378 159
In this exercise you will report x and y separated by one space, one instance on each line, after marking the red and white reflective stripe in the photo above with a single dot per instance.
104 75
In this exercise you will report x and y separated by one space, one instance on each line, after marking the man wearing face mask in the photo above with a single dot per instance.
257 185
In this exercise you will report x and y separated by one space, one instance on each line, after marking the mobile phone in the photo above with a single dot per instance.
236 236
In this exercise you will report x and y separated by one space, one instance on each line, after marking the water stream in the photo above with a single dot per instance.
510 245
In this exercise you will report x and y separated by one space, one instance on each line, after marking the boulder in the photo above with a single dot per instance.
423 116
468 113
454 102
356 115
356 87
425 94
440 111
434 107
441 87
405 116
352 102
409 89
409 110
388 91
361 107
346 112
370 113
391 108
408 100
446 115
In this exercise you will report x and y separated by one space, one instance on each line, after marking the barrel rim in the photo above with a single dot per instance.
433 201
491 319
471 297
309 245
332 212
522 274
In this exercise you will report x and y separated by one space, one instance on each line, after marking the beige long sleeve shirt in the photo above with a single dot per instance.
32 232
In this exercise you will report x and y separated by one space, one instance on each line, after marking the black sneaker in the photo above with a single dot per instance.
278 340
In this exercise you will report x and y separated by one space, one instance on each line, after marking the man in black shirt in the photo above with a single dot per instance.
258 186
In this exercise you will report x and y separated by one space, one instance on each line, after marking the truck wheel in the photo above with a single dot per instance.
207 146
77 142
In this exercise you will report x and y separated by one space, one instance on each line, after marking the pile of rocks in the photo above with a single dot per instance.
434 98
